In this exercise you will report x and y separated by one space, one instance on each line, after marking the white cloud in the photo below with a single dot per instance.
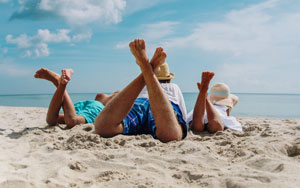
256 45
74 12
9 68
122 45
4 50
138 5
82 12
152 33
247 31
158 30
82 36
37 45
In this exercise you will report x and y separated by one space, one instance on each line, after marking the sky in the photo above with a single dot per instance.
252 45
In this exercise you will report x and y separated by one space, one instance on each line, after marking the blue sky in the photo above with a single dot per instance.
252 45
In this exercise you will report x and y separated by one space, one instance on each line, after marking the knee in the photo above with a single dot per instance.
197 127
102 129
103 132
168 136
71 122
51 122
99 129
215 126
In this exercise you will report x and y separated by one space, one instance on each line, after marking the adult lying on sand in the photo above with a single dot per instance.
172 90
79 113
129 115
212 112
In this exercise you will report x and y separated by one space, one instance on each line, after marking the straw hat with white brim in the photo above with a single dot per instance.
164 73
220 95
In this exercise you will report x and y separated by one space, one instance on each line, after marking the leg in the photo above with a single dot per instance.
214 120
109 122
67 103
167 126
53 77
202 104
61 97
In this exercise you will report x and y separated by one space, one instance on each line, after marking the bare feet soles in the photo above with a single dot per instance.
66 75
138 49
158 59
205 80
47 74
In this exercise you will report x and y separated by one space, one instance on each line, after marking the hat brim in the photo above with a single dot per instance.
171 76
229 101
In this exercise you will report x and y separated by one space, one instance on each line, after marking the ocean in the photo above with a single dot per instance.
249 105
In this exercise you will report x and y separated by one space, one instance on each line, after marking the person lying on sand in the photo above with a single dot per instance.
212 112
172 90
79 113
126 114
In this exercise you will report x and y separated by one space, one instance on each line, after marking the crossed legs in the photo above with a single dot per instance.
202 104
109 122
60 98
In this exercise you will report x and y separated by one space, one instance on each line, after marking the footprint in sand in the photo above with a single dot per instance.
77 166
17 183
189 177
110 176
148 144
19 166
279 168
266 164
231 184
293 150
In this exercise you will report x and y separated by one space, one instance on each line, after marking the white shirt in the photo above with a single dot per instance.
228 121
174 94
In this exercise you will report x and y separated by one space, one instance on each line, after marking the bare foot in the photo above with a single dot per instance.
205 80
47 74
138 49
158 59
66 76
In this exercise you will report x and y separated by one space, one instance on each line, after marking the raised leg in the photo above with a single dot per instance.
60 98
202 104
167 126
214 120
109 122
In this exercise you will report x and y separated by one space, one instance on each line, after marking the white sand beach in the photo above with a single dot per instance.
266 154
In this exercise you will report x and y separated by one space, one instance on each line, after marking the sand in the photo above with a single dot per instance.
266 154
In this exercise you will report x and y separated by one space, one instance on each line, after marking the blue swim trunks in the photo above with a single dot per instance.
88 109
140 119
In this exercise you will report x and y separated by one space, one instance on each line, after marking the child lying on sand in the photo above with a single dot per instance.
79 113
212 112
